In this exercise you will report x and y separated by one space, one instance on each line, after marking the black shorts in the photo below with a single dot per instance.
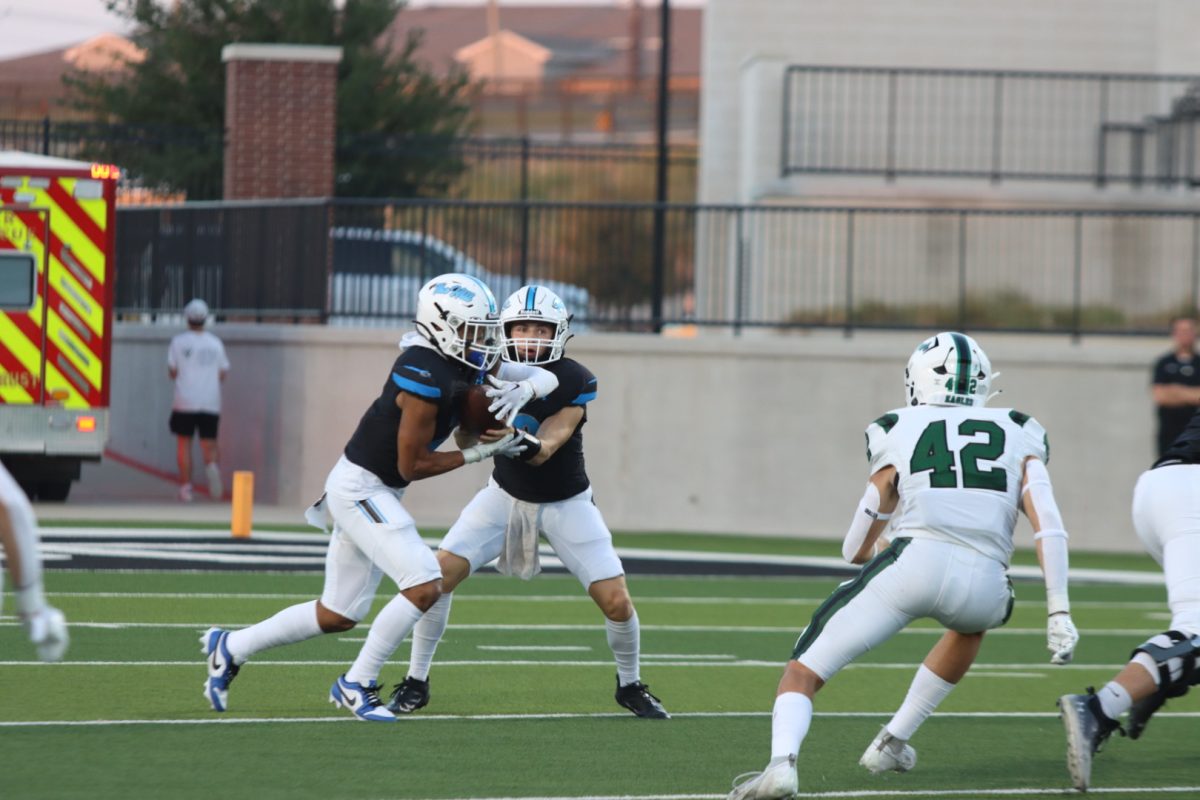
186 423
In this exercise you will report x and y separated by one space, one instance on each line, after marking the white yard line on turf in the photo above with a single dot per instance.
415 719
872 793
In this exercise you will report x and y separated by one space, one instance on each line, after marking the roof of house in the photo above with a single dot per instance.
446 29
594 37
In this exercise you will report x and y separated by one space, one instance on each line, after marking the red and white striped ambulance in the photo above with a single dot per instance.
56 310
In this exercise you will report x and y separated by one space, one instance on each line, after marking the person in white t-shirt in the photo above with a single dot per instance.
197 363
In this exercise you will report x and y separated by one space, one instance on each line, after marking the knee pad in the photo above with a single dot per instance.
1177 657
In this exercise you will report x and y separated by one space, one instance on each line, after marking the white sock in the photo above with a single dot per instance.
391 625
924 696
789 724
293 624
426 635
624 638
1114 699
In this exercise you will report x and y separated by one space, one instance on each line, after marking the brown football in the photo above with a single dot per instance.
474 416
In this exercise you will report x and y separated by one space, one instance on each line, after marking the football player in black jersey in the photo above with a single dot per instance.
457 342
543 491
1166 515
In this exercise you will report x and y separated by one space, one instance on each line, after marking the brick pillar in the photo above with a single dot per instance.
280 120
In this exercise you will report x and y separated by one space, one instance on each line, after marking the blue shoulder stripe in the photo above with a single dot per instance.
584 399
411 386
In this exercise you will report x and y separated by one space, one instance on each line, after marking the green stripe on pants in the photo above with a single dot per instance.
847 592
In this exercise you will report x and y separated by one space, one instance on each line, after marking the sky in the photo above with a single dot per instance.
32 26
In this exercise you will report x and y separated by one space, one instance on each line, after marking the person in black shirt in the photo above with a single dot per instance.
1166 516
457 342
1176 382
545 491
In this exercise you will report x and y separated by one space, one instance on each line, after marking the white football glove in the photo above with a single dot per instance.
508 398
510 446
1061 638
47 629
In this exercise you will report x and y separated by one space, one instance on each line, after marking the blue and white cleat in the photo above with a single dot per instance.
221 669
362 700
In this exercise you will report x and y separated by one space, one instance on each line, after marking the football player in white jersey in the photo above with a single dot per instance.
1166 515
950 475
43 623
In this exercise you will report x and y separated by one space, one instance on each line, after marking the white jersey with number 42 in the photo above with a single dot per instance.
960 471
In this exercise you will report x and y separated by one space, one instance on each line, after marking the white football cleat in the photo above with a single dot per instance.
889 754
362 700
773 783
47 629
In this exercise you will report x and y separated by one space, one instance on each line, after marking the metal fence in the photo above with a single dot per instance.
998 125
177 164
360 262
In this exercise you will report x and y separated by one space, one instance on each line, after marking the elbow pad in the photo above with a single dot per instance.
864 517
1041 496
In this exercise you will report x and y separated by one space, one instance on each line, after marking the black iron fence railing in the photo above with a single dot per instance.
997 125
354 262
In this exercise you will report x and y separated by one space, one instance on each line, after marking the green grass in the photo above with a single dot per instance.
303 748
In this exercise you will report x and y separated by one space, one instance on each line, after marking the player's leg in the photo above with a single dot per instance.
350 582
937 676
579 536
207 425
182 424
380 526
44 624
474 540
860 614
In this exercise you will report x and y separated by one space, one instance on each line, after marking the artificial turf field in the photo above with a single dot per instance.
522 697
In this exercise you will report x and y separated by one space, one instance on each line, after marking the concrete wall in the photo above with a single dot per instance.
746 44
754 435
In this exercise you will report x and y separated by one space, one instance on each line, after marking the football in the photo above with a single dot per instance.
473 415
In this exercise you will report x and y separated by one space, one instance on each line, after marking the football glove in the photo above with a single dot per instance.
47 629
1061 638
508 398
510 446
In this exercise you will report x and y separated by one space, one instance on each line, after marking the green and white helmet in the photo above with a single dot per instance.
949 369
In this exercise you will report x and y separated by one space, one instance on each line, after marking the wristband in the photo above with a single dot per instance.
533 446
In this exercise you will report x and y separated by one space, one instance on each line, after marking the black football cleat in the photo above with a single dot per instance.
637 698
1087 730
409 695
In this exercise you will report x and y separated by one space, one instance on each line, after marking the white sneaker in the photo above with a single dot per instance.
773 783
361 699
889 754
215 489
185 492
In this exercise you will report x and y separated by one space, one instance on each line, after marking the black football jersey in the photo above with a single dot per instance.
420 371
1186 446
563 474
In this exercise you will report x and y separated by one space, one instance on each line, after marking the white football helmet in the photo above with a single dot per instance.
949 369
535 303
457 314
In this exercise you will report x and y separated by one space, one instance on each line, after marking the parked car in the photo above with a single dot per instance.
377 274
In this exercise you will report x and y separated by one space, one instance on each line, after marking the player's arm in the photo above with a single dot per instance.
554 432
871 517
1050 539
418 424
1175 395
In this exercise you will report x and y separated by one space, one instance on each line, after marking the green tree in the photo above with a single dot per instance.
396 122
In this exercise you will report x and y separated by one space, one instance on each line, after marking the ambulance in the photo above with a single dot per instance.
56 312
